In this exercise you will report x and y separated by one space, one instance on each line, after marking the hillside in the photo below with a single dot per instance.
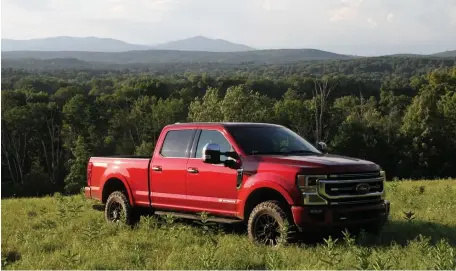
171 56
200 43
89 44
94 44
375 67
446 54
75 45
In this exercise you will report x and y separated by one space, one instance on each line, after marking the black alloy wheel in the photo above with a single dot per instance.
118 208
267 222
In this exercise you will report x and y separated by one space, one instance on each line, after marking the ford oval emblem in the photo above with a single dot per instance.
362 188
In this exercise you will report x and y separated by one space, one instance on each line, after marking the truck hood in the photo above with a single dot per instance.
330 163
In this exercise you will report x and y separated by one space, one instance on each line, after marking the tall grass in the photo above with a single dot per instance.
67 233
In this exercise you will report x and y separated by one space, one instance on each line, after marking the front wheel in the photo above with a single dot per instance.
269 224
118 208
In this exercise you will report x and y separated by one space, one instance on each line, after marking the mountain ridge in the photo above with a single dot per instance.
201 43
451 53
66 43
197 48
174 56
96 44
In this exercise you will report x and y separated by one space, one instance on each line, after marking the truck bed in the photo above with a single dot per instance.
132 170
127 156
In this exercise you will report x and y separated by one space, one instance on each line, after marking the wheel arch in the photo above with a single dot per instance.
262 194
113 184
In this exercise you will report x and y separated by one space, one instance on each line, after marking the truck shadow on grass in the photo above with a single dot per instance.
399 233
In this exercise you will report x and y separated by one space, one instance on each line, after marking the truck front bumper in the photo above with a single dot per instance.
318 218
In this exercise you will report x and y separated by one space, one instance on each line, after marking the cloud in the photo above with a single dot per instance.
348 11
266 5
344 26
390 17
31 5
129 10
273 5
452 13
118 8
371 22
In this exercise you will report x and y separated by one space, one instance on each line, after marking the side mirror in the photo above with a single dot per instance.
321 146
211 153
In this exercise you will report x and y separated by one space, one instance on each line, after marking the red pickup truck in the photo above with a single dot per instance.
263 175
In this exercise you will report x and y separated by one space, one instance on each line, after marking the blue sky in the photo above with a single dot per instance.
363 27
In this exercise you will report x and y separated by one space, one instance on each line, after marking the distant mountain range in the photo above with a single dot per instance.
172 56
446 54
90 44
99 51
93 44
200 43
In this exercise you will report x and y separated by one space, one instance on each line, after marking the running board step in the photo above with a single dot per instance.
198 217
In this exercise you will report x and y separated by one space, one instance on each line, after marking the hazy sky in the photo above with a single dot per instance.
364 27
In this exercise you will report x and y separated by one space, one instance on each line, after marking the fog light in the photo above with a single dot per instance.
314 199
309 189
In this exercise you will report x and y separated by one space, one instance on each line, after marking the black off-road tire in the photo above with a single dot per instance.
274 232
118 209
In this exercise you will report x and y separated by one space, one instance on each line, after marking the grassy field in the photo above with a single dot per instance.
68 233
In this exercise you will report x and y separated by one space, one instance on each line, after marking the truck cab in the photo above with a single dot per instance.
263 175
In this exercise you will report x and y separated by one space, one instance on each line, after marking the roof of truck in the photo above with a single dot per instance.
222 124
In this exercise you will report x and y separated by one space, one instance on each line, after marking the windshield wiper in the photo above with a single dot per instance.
267 153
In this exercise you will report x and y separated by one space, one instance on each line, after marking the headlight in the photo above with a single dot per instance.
308 183
383 175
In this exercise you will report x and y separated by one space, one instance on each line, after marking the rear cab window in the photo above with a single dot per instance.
176 143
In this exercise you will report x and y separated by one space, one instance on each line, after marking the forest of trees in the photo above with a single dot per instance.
53 121
265 67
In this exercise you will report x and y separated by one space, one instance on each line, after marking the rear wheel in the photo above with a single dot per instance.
269 224
118 209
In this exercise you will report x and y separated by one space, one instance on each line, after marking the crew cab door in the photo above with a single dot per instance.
211 188
168 169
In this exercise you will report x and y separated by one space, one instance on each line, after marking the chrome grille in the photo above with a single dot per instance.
354 176
349 188
352 187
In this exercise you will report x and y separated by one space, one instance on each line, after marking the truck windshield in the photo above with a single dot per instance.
270 140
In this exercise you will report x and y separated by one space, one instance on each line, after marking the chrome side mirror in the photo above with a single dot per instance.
211 153
321 146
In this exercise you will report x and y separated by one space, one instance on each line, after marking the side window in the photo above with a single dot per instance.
176 142
211 136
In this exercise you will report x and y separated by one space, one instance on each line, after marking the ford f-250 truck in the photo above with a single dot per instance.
263 175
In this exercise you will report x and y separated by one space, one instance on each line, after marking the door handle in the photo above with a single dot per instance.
192 170
156 168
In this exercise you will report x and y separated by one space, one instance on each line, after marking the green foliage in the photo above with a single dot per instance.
243 105
144 149
400 118
206 109
61 232
76 178
266 63
296 113
331 256
444 255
